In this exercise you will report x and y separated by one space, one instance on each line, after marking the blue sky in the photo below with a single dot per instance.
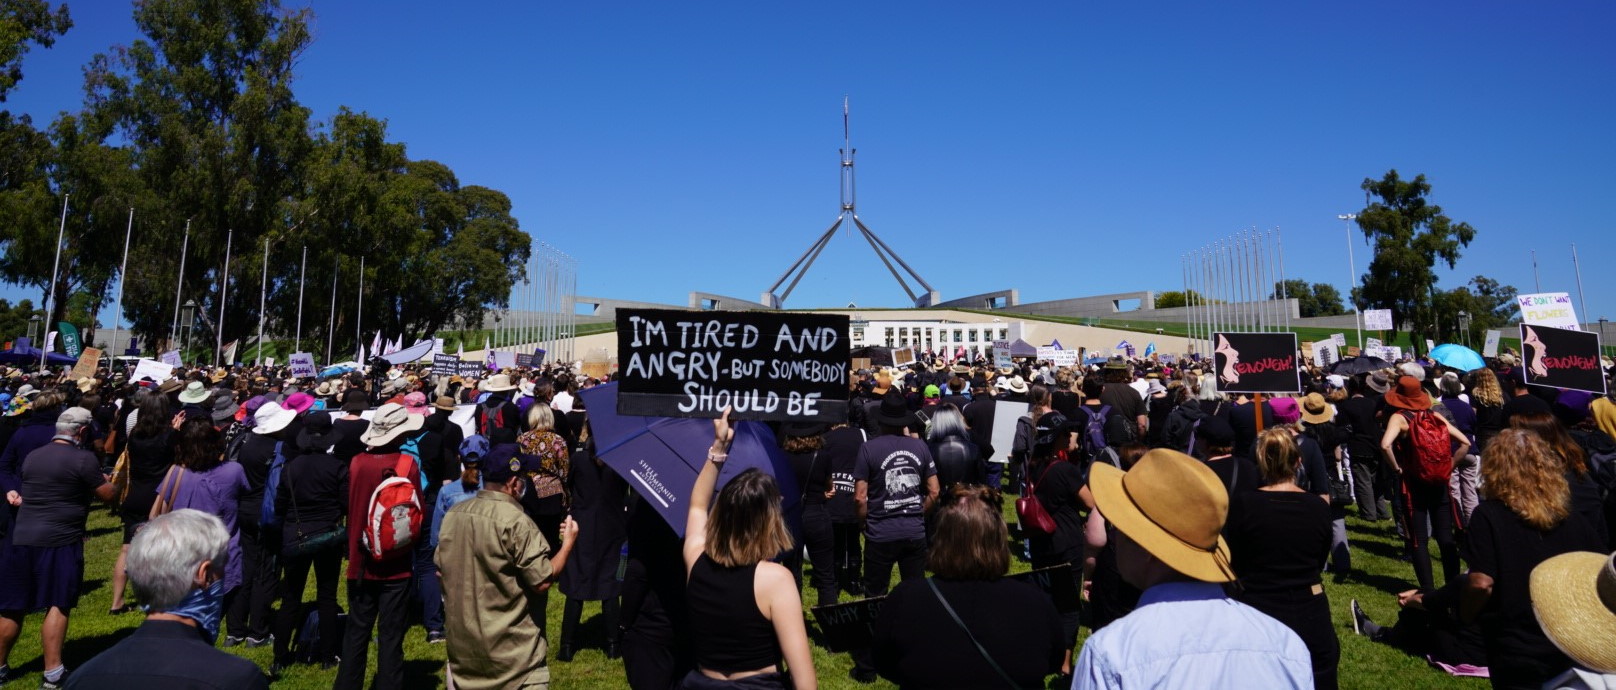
1061 148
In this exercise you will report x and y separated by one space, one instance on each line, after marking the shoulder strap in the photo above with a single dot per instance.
979 648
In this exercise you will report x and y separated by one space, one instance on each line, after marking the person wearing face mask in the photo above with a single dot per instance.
495 566
176 564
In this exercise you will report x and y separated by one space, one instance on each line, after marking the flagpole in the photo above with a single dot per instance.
263 294
179 281
297 341
224 294
359 316
123 272
1580 296
331 326
1279 238
50 292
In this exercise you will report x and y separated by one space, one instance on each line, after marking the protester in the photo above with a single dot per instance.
599 499
1122 398
1279 538
958 459
313 498
655 622
1572 597
247 608
550 499
42 559
378 589
1586 499
803 444
351 425
1320 431
150 448
745 612
841 449
1238 474
1057 489
951 630
36 429
497 411
895 481
176 566
1169 510
1466 472
1359 414
495 563
1428 513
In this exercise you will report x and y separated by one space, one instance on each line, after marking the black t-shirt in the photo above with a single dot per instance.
979 417
256 455
1125 400
812 470
841 452
58 481
918 645
1065 402
896 469
348 443
1238 474
1057 487
1501 545
1278 540
1364 430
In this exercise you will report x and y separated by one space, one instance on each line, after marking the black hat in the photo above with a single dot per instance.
317 433
894 410
355 400
504 461
1050 427
1215 431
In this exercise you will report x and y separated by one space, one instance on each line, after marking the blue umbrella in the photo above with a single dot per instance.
1458 357
661 456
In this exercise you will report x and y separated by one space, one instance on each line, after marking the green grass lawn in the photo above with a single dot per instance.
1363 664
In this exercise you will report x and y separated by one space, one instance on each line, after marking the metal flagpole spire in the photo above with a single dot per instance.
359 314
1536 282
1284 294
123 273
331 324
179 281
1583 298
50 292
224 295
263 296
297 340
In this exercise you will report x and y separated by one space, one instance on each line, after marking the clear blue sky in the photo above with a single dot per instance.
1061 148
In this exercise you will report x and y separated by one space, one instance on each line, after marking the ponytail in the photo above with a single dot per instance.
469 478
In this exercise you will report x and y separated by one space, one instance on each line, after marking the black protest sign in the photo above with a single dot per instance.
524 360
764 365
445 365
851 625
1256 363
1561 358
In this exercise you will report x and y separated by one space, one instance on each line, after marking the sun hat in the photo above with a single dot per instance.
1286 411
496 384
326 389
272 418
1507 359
894 410
169 386
961 369
194 393
473 448
1017 385
1378 382
224 407
1006 371
1315 410
415 403
218 375
1574 598
1172 506
27 392
355 400
1409 395
301 402
525 388
390 421
1413 369
444 403
318 434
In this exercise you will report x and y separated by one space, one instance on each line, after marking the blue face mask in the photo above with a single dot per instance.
206 607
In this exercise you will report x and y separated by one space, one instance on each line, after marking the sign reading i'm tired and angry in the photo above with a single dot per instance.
763 365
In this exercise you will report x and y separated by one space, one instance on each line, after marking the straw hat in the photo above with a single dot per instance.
326 389
1574 597
1409 395
445 403
1017 385
497 383
1172 506
1315 410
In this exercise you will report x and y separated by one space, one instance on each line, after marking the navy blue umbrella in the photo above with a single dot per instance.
661 456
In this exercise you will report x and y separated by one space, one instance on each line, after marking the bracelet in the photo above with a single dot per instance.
716 457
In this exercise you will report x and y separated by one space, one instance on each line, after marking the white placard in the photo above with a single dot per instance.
1001 354
1340 340
153 369
1548 309
171 358
1372 344
1326 354
1377 319
1430 344
302 364
1005 414
1490 349
1065 358
1046 354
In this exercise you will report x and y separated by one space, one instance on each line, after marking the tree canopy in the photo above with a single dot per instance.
1316 299
1410 236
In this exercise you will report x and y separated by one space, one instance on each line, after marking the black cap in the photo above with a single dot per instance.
1215 431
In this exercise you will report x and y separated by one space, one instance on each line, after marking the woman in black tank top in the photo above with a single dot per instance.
745 611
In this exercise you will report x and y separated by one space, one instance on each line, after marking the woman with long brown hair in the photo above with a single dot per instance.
1585 498
1524 518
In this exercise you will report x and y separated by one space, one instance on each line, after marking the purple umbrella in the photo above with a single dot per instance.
661 456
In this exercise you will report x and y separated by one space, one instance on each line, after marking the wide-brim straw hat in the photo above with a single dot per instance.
1172 506
1316 410
1574 598
1017 385
496 384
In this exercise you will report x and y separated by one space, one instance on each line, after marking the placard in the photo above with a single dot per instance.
763 365
152 369
1066 358
1340 339
524 360
1353 351
1001 355
903 356
1377 319
501 359
171 358
445 365
1548 309
1561 358
1490 349
471 367
302 365
851 625
1003 436
1326 354
89 360
1256 362
1430 344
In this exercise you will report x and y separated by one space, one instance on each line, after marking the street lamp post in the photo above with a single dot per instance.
1352 267
188 317
1603 342
33 330
1464 327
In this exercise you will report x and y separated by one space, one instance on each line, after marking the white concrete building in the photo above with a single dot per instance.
939 336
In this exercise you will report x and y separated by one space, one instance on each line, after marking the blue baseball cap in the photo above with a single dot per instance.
505 461
473 449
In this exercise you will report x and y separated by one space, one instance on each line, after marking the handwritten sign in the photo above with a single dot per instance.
171 358
89 359
1561 358
1548 309
1490 349
762 365
1326 354
1377 319
302 365
152 369
1001 355
903 356
851 625
1256 362
524 360
1340 339
1065 358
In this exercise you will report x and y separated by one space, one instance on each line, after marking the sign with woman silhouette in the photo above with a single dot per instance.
1561 358
1256 363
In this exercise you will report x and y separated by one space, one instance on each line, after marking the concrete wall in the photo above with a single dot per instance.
1097 306
1002 299
709 301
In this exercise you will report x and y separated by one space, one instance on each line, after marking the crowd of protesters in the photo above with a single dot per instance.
1199 527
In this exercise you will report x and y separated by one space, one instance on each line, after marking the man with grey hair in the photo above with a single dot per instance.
42 563
176 564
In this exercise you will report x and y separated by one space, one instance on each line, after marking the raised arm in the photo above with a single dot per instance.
701 496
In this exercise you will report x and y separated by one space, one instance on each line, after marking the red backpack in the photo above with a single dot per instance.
393 518
1430 449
